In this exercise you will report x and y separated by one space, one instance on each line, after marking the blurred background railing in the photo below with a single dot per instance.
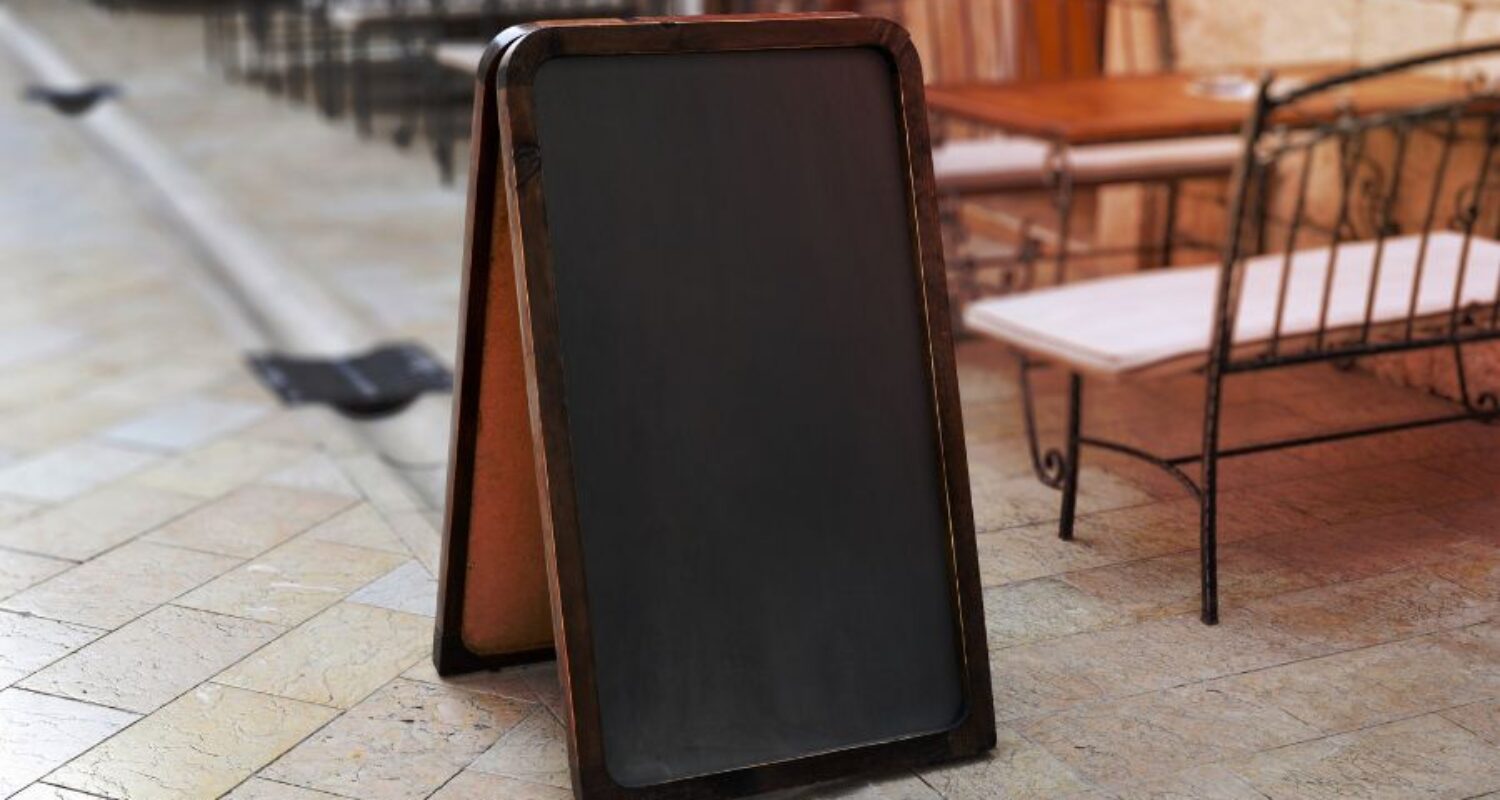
400 72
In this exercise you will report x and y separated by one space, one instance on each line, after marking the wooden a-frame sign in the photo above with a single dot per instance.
707 435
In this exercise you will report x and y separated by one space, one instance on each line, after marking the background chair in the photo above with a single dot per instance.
1049 40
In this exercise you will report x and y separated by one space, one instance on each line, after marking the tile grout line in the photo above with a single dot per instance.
69 788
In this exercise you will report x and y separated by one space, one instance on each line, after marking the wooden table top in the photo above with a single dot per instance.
1161 106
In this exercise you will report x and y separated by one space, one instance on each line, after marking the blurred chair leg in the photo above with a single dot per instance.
1169 223
359 77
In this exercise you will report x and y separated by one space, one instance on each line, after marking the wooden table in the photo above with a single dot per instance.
1079 111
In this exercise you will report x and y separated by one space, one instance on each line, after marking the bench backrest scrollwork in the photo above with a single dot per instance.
1361 180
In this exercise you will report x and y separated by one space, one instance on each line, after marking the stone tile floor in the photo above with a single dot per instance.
300 179
202 594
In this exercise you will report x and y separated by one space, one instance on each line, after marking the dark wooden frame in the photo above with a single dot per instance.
451 655
507 142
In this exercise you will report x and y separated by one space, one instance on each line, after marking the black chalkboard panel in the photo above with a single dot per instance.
754 455
755 504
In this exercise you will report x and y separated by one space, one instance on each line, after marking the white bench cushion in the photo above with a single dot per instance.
1164 318
1016 163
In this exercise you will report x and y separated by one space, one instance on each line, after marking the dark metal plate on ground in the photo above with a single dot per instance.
374 384
74 100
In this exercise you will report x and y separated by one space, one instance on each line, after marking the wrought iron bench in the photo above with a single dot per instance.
1397 252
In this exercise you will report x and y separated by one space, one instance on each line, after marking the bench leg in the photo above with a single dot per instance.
1070 457
1208 534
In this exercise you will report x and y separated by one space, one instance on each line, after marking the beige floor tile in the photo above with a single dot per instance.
50 381
1002 457
1159 733
1472 565
519 683
1373 610
29 643
337 657
220 467
407 588
261 789
421 531
900 787
154 659
120 585
14 509
535 751
1213 782
315 473
136 355
1370 686
1481 719
308 426
1034 551
379 483
404 741
1243 514
1127 534
1171 584
360 526
1052 675
66 472
1480 518
37 342
545 683
38 732
239 385
96 522
45 427
186 423
199 745
986 421
19 571
469 785
1030 611
43 791
986 370
1360 549
292 582
1427 757
1011 500
1345 496
251 520
1015 768
1439 449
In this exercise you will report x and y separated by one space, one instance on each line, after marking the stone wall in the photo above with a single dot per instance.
1231 32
